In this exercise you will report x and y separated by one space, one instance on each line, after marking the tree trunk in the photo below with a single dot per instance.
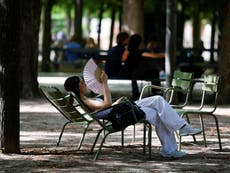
30 23
196 27
212 45
224 56
113 16
10 12
46 39
68 21
180 26
100 20
78 19
133 16
170 43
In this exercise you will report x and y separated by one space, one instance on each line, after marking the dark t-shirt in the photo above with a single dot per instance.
132 63
113 66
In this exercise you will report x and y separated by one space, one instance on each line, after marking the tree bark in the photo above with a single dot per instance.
100 21
46 38
30 24
10 12
133 16
113 16
78 19
170 43
196 27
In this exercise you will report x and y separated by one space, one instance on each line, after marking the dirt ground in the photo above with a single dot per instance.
40 126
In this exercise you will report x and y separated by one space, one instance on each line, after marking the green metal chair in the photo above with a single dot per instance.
106 128
182 83
72 115
210 87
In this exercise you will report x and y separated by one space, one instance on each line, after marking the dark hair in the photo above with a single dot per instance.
71 84
121 37
134 42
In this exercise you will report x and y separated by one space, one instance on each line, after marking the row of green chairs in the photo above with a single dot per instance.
182 85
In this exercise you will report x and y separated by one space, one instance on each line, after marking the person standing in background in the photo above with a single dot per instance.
72 47
113 64
132 58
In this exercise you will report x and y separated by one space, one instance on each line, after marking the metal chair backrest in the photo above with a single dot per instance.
182 82
61 102
210 87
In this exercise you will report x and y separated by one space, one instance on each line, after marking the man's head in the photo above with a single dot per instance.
122 38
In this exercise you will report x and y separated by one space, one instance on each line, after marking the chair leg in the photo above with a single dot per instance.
193 136
179 145
60 136
83 136
134 133
95 141
122 138
203 130
99 149
150 140
218 131
144 138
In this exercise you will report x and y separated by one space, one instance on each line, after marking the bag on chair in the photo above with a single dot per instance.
122 115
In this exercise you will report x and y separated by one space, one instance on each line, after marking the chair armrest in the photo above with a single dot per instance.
151 87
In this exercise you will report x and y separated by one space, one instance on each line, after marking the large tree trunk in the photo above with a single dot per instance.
10 12
224 56
30 22
170 43
133 16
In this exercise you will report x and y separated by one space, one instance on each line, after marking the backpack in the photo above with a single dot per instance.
122 115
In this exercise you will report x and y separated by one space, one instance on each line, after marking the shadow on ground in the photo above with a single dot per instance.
40 126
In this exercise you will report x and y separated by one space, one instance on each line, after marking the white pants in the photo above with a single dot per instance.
165 119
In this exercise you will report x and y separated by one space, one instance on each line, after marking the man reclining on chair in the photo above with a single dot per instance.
156 111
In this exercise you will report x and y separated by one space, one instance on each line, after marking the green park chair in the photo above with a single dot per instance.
72 115
210 87
106 127
181 85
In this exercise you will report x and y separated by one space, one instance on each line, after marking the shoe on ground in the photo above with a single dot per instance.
175 154
189 130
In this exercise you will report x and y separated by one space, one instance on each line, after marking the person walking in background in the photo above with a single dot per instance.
132 58
57 46
113 64
91 49
72 49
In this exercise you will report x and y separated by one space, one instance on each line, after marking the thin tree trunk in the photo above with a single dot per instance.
100 21
78 19
196 27
46 39
212 46
68 21
113 15
170 47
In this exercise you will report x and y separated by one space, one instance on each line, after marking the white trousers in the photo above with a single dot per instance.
165 119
